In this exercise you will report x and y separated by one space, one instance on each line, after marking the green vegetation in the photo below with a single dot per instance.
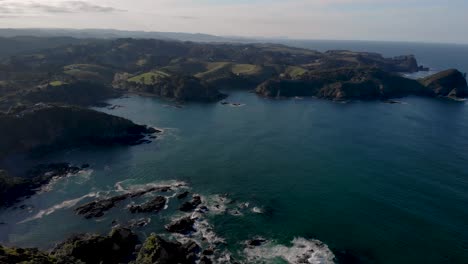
56 83
295 71
149 78
19 255
89 72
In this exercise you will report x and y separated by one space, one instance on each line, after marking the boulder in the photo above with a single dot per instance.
155 205
182 226
191 205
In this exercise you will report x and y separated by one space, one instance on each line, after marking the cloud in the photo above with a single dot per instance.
11 7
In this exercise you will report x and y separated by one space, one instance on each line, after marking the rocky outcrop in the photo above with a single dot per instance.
155 205
191 205
99 207
450 83
183 225
117 247
46 126
12 188
156 250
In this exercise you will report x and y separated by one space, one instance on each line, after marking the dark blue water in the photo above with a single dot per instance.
437 56
389 182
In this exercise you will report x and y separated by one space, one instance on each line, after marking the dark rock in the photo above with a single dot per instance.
13 188
208 252
99 207
155 205
157 250
182 226
190 206
205 260
256 242
85 166
117 247
183 195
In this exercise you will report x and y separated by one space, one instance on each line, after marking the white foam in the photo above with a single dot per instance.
205 231
301 251
173 184
217 204
63 205
84 174
257 210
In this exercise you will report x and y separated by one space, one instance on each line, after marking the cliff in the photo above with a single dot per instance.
364 84
179 88
46 126
450 83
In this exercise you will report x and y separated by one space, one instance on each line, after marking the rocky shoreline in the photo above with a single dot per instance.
189 238
14 188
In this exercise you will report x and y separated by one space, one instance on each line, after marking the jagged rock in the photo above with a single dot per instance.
99 207
183 195
156 250
155 205
191 205
117 247
182 226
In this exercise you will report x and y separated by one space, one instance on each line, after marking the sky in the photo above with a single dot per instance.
392 20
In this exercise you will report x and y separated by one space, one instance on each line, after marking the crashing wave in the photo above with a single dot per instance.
301 251
63 205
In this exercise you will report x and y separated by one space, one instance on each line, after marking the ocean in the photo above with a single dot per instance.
385 182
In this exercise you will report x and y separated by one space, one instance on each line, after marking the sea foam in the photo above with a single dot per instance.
301 251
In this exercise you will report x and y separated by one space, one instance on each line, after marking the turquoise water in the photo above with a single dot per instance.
386 181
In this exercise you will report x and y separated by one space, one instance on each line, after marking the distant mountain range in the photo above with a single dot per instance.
113 34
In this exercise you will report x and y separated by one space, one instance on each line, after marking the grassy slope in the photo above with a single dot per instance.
89 72
147 78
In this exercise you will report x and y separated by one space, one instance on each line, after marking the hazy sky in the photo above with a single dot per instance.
409 20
